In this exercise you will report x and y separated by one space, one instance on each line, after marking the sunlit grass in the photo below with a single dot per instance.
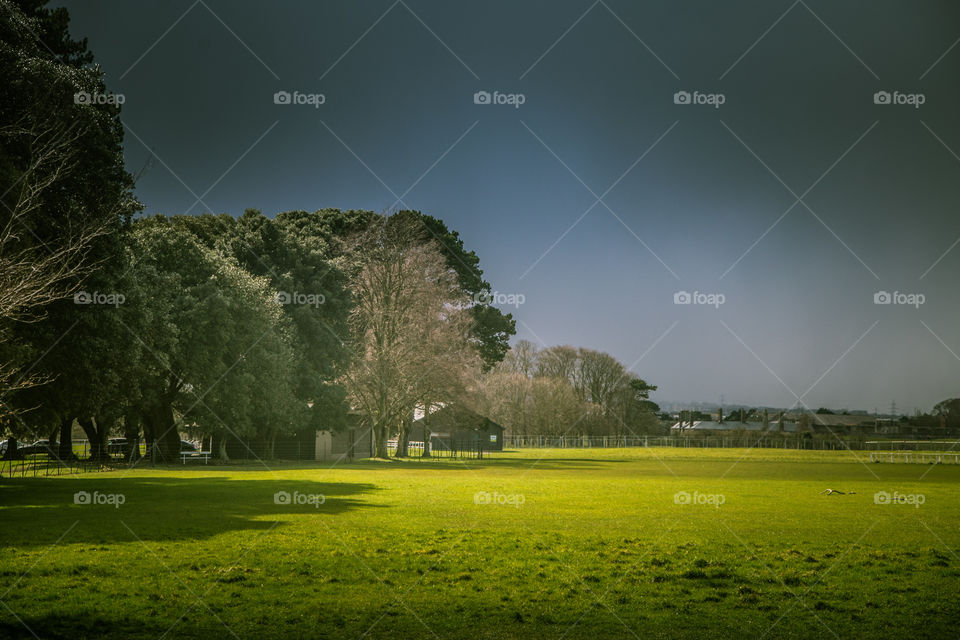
587 543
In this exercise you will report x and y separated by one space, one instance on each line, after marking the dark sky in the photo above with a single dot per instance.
693 197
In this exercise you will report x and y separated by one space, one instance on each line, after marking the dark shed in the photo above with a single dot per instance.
457 428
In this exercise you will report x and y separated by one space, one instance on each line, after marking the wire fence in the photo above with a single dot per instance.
815 442
43 466
464 450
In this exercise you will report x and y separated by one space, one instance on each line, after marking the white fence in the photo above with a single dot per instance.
915 457
942 446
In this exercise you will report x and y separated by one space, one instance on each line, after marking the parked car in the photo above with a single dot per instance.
40 446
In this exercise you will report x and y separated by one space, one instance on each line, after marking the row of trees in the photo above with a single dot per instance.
225 327
253 327
564 390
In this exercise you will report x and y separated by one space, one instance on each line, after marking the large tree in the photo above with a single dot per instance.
409 327
310 284
218 352
65 198
490 328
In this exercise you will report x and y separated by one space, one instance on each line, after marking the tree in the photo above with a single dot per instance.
64 199
409 329
220 355
558 362
295 255
312 286
522 359
63 183
563 390
506 397
949 411
491 328
555 407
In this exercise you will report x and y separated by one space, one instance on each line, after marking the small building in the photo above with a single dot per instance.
355 441
457 428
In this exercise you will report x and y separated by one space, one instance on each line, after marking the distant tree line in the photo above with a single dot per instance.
565 390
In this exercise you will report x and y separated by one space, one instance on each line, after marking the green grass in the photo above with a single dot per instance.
598 549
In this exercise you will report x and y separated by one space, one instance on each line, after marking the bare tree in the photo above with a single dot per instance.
522 359
505 397
556 409
409 328
558 362
574 391
32 272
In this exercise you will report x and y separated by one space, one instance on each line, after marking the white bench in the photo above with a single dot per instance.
194 455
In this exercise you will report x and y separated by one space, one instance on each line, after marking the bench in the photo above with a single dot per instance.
194 455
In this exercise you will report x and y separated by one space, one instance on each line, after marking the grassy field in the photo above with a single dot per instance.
532 544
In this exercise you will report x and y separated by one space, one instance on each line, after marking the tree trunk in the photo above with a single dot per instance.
271 444
403 439
222 450
97 436
165 439
131 431
426 431
11 451
380 441
148 440
65 449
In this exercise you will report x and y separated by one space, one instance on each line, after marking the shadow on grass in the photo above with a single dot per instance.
497 460
490 461
504 459
77 626
37 511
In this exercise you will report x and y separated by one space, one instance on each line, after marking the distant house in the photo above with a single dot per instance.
834 420
730 425
456 428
